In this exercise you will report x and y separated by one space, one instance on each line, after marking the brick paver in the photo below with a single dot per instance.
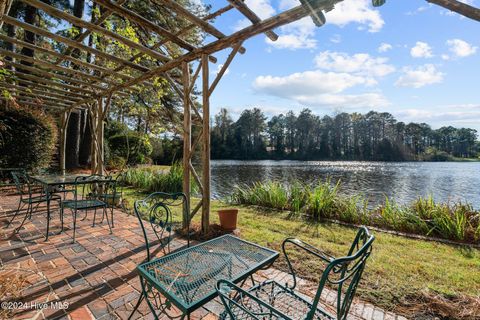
96 275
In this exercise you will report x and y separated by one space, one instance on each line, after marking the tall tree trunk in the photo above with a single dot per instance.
30 17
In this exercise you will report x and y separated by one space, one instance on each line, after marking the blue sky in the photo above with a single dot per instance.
417 61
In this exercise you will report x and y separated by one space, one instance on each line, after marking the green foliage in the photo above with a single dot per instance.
134 148
155 180
27 138
455 221
374 136
166 150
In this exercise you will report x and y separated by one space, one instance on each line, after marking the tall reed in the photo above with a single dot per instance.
456 221
156 180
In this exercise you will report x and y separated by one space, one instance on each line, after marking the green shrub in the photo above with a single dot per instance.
27 138
133 147
149 180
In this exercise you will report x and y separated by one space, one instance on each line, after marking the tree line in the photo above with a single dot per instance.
374 136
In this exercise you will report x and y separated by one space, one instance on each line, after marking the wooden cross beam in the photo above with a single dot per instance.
72 43
248 32
194 19
93 27
48 52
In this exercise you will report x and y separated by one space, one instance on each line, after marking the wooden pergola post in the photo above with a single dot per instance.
187 140
206 146
63 139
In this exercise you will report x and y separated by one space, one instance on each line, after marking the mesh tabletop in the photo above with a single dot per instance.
188 277
60 179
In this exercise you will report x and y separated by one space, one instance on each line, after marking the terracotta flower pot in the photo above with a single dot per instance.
228 219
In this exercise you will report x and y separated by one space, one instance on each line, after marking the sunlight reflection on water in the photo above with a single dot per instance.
402 181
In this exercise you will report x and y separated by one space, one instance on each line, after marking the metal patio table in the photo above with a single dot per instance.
187 278
49 182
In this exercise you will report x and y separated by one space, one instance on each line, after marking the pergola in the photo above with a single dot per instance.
89 85
84 83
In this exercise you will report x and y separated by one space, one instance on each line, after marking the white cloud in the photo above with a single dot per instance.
359 63
296 35
354 101
420 76
318 88
460 115
384 47
306 83
336 38
356 11
418 10
219 67
421 50
460 48
262 8
288 4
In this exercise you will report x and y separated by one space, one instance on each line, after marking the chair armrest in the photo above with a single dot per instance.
325 257
225 288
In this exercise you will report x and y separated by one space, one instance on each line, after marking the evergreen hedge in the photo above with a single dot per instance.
27 138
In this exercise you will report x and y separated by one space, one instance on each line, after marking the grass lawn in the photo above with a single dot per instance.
403 275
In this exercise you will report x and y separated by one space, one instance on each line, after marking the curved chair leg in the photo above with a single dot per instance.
94 216
29 212
105 214
61 215
139 301
111 216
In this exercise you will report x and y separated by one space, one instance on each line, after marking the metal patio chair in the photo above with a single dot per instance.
86 196
114 197
272 300
155 210
30 197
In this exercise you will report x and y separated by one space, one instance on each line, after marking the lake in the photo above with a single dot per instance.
401 181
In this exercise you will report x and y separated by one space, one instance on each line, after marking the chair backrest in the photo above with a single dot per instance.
345 273
155 210
120 183
90 187
22 182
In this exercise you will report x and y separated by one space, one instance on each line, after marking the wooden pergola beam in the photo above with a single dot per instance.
35 104
53 67
24 99
95 28
199 22
88 88
34 79
252 16
82 36
48 52
23 82
72 43
220 44
39 93
132 16
459 7
45 99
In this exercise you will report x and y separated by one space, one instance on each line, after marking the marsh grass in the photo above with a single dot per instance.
150 180
453 221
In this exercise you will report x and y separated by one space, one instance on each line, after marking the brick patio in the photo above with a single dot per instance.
96 275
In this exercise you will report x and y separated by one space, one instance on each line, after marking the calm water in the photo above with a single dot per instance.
402 181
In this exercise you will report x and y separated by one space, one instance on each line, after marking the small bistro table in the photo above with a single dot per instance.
49 182
187 278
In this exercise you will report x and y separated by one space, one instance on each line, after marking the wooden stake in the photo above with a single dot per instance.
187 140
